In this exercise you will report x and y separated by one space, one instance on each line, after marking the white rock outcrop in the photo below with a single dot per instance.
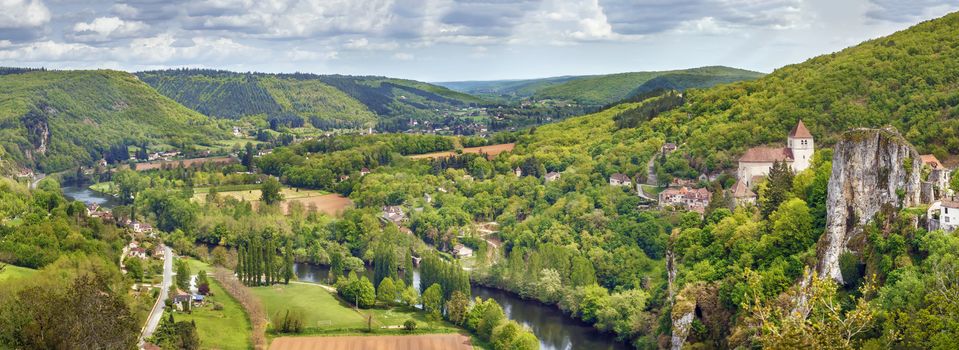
872 169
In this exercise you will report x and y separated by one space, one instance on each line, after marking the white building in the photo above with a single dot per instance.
618 179
552 176
757 161
949 215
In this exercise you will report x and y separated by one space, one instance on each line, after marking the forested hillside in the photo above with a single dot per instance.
53 120
602 89
505 90
323 100
909 79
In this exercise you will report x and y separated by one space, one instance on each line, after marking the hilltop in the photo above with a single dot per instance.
907 80
338 100
603 89
53 120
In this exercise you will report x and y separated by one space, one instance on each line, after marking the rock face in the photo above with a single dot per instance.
872 170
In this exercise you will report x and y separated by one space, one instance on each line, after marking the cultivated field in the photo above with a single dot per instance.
330 204
390 342
491 150
157 164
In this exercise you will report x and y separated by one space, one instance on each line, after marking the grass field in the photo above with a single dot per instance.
225 329
331 204
11 272
325 313
393 342
491 150
197 265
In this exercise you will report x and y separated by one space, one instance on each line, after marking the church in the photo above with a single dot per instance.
754 165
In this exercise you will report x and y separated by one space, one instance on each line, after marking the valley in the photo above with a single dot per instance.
703 208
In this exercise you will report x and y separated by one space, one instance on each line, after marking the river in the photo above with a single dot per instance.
87 196
555 330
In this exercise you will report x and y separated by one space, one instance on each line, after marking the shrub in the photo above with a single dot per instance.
409 325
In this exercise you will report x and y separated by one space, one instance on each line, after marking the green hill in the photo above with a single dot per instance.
605 89
53 120
337 99
909 80
505 90
602 89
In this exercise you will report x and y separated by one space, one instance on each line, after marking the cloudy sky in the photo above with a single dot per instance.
438 40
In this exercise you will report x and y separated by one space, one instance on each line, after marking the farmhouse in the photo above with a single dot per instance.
618 179
138 252
742 194
364 171
394 214
757 161
552 176
949 215
693 199
462 251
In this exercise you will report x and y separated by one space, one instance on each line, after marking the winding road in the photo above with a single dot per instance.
157 313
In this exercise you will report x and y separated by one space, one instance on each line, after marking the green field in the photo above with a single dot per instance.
251 192
197 265
11 272
325 313
225 329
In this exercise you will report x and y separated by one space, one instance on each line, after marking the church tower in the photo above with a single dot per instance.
800 143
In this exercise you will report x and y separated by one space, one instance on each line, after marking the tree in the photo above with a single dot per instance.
386 293
384 263
408 268
182 275
270 191
433 301
525 341
134 268
247 159
491 317
504 334
457 307
409 325
779 183
410 297
288 262
365 293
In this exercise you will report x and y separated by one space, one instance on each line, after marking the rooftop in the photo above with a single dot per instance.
800 131
767 155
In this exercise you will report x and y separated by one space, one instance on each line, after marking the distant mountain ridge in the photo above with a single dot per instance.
357 100
605 88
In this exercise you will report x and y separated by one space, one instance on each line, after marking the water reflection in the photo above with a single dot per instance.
87 195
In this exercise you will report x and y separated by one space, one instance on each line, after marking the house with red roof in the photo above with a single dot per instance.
757 161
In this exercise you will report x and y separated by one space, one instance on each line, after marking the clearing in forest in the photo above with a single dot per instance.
491 150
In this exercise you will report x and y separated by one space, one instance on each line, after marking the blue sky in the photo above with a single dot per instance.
444 40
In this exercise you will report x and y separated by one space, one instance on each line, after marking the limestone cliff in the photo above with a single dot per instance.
872 170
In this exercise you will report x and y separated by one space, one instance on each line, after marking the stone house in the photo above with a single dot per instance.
618 179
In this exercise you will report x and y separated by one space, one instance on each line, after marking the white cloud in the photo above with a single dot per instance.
105 29
403 56
23 13
124 10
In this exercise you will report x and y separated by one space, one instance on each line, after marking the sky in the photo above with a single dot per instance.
444 40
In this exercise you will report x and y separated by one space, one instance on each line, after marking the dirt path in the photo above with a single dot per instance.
383 342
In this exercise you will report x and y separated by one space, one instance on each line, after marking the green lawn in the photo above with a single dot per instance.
225 329
197 265
325 313
11 272
103 187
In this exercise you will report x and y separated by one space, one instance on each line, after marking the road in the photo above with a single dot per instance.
36 180
154 319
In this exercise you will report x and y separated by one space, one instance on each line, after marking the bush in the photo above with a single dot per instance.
289 321
409 325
